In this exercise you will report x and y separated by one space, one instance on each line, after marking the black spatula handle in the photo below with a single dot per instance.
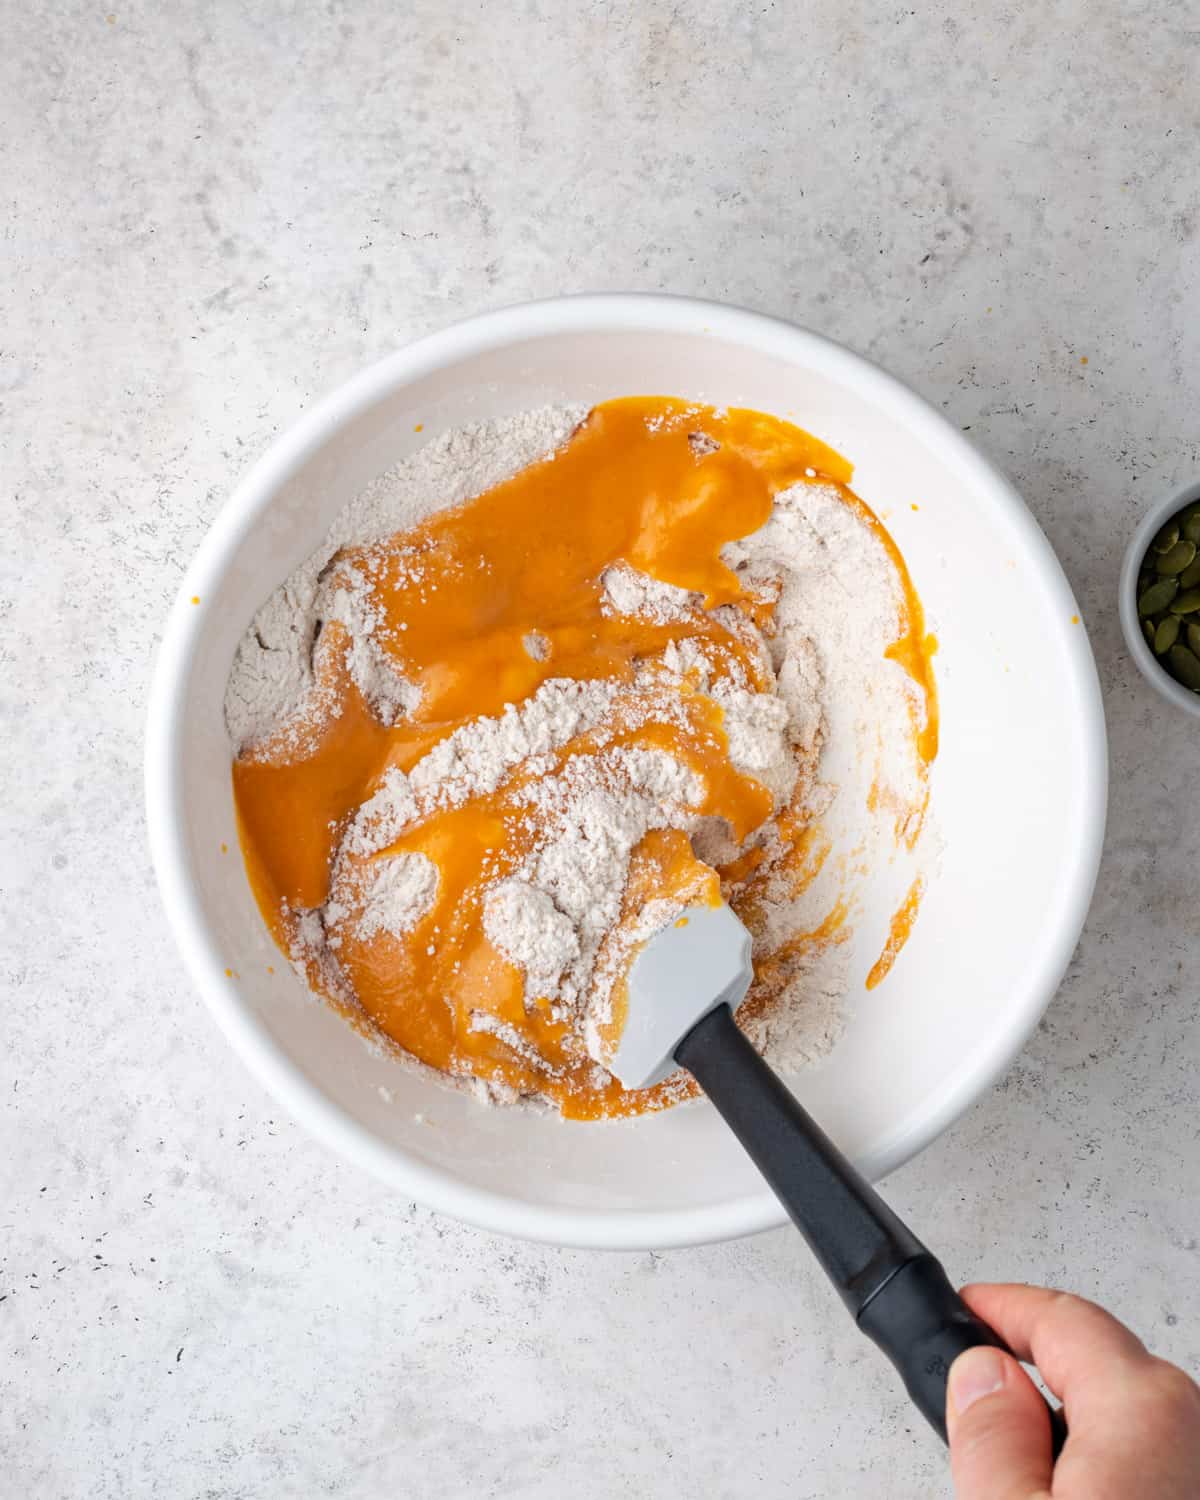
896 1290
923 1325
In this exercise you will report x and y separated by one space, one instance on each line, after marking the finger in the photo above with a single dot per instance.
1076 1345
999 1429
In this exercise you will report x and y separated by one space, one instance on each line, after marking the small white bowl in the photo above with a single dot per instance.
1147 663
1018 788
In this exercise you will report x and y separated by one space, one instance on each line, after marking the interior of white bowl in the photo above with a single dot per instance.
1018 786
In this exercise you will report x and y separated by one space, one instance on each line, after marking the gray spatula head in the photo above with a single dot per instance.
700 961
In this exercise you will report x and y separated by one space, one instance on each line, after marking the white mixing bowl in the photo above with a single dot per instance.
1018 787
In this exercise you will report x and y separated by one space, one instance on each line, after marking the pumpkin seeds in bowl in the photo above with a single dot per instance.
1168 596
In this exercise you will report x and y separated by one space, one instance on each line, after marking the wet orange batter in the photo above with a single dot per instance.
521 563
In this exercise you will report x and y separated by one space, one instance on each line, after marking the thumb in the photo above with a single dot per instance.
999 1429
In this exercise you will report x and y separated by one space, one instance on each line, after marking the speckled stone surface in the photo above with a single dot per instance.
214 213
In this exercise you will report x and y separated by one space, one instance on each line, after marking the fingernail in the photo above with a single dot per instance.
973 1375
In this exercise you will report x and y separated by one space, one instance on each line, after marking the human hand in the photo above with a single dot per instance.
1133 1420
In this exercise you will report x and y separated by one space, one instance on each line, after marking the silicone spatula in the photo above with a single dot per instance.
684 987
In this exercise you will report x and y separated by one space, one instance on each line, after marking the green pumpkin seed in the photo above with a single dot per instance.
1167 537
1186 603
1166 634
1148 631
1191 530
1184 666
1158 596
1190 576
1192 633
1173 562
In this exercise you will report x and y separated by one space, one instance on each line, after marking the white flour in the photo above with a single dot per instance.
628 592
473 760
524 924
838 610
834 724
402 891
588 819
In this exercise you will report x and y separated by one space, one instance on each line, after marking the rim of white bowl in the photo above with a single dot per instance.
621 312
1144 659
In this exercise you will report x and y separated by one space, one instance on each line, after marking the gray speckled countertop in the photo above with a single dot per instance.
213 213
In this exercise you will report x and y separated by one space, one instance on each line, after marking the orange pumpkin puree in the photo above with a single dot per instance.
898 933
524 560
